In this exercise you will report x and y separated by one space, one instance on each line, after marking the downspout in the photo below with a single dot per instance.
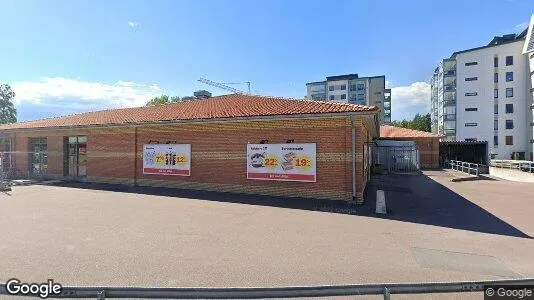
135 156
353 127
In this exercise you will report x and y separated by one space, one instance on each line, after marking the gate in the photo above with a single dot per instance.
397 158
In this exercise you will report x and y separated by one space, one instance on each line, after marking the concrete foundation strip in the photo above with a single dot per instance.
281 292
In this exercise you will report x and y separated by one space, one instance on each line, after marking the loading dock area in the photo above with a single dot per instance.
473 152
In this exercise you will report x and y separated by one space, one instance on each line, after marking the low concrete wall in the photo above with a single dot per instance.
511 174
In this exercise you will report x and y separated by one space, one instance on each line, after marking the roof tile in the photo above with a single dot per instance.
388 131
227 106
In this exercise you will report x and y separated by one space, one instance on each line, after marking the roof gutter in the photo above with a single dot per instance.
197 121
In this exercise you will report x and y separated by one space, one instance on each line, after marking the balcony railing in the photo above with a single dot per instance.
449 117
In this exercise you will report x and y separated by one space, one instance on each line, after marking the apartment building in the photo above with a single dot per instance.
528 50
351 88
483 94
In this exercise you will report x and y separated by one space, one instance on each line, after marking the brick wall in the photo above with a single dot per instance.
218 151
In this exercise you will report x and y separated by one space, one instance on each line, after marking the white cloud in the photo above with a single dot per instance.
133 24
406 101
48 90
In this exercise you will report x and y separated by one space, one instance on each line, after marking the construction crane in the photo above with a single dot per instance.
224 85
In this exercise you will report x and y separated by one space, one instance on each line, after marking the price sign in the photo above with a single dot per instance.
167 159
282 162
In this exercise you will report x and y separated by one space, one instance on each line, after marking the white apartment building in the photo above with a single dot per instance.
483 94
528 50
353 89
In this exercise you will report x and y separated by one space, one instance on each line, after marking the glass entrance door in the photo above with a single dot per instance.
76 149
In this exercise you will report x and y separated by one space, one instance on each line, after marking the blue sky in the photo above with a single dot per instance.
64 57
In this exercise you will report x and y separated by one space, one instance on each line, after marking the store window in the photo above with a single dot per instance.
76 156
5 153
37 156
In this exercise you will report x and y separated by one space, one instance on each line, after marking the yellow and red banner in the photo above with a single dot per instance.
282 162
167 159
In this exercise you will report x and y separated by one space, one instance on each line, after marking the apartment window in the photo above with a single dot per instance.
496 108
509 60
495 61
471 94
361 87
496 140
473 63
509 139
509 124
495 93
331 88
352 87
343 96
471 124
331 97
471 109
343 87
471 78
509 108
509 76
509 92
495 125
495 77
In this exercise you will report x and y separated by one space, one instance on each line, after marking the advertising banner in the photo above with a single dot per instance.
167 159
282 162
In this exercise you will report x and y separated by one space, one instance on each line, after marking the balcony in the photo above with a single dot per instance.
449 73
449 88
449 103
449 117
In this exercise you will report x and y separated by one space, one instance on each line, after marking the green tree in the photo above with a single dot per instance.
8 112
419 122
162 100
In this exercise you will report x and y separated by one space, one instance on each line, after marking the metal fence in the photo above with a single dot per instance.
522 165
397 158
386 290
466 167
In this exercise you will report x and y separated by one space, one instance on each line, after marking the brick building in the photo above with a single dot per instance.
427 143
107 146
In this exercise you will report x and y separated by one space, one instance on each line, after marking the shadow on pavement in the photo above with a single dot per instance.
419 199
410 198
324 205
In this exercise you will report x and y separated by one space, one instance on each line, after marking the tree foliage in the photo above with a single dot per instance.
162 100
8 112
419 122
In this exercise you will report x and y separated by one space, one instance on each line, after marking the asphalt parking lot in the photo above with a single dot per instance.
437 230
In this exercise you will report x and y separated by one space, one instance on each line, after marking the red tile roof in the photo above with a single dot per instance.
227 106
388 131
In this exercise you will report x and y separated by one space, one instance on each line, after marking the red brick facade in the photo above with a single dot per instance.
218 154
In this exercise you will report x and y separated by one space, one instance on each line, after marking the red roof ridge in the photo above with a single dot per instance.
218 107
390 131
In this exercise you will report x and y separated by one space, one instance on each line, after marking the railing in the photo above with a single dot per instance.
466 167
281 292
522 165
